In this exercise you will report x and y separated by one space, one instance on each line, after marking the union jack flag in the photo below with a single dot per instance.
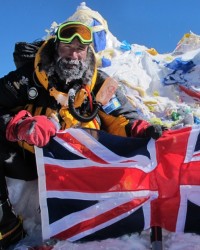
94 185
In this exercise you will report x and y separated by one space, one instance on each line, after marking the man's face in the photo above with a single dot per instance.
71 63
73 51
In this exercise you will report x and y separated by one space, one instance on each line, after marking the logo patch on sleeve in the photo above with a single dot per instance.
112 105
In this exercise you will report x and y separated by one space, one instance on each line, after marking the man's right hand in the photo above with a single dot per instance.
35 130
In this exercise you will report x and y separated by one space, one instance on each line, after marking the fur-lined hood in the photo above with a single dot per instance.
46 61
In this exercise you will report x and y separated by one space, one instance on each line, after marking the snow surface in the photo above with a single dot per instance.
145 79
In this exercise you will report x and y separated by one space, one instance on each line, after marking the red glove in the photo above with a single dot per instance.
139 127
35 130
144 129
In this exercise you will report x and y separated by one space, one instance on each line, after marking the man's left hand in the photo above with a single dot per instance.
154 131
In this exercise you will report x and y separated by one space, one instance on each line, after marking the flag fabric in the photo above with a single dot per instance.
93 185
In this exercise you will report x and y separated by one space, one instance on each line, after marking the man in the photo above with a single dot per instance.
62 89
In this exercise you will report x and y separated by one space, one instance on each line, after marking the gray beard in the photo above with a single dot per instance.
69 70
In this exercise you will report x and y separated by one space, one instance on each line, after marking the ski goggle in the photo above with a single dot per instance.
68 31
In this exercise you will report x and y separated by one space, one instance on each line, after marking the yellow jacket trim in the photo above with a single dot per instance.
41 75
70 121
114 125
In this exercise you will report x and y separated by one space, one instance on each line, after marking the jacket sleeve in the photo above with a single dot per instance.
122 120
14 87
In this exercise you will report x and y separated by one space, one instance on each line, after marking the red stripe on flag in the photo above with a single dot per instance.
164 212
74 143
95 179
100 219
190 173
196 154
171 151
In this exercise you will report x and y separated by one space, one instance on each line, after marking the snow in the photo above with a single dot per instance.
153 88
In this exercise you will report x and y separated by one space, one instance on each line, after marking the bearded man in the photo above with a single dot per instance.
62 88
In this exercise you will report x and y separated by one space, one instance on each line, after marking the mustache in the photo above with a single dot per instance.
68 69
65 61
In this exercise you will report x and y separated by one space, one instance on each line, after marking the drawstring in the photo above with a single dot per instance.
91 104
89 96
